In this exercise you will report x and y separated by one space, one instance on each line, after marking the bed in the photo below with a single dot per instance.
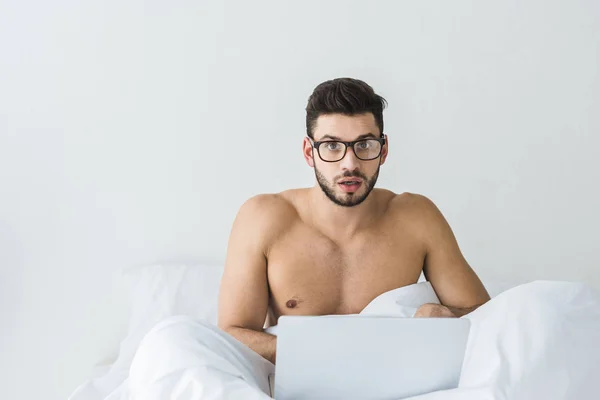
533 340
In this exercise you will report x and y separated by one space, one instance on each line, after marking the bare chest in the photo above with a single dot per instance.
309 274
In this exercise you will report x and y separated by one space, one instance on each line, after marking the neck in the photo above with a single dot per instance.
339 221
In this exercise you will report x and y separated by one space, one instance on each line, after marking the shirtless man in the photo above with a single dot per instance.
333 248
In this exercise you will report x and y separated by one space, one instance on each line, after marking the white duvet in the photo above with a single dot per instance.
536 341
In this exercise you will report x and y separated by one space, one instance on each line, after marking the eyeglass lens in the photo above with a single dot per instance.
364 149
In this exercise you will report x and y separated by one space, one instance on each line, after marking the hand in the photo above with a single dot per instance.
431 310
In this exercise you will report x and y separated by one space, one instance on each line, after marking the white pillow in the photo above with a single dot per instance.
155 293
160 291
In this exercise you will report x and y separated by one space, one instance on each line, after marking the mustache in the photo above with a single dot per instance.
353 174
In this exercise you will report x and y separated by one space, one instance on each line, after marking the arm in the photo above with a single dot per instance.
244 292
455 283
432 310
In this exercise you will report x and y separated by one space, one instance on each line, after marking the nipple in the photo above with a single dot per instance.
291 303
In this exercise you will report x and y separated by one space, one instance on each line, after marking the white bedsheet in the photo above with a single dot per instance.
537 341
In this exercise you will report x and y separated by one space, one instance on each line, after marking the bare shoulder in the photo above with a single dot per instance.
265 203
266 215
415 208
408 202
268 209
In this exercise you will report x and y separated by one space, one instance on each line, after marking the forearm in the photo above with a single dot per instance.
263 343
459 312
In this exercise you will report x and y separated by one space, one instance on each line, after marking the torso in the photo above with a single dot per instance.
312 274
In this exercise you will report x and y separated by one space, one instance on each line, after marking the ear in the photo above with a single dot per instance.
384 150
307 151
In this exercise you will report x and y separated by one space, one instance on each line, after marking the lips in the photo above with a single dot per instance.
350 181
350 185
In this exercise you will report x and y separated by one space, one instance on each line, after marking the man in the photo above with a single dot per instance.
330 249
333 248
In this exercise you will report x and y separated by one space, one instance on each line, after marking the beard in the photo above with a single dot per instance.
346 199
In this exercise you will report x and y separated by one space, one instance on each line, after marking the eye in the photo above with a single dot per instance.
333 146
364 145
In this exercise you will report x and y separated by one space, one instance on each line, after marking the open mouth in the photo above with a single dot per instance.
350 186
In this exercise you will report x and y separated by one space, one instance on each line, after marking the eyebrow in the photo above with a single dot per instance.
366 135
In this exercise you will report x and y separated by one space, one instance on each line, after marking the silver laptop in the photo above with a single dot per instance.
367 357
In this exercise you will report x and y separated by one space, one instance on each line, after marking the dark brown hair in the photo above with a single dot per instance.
343 96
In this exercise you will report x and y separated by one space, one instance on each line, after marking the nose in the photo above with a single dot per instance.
349 162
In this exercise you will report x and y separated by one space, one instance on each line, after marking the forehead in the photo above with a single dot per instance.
345 127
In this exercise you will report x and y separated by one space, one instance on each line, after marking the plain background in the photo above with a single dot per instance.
131 132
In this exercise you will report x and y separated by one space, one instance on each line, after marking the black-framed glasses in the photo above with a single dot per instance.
335 150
